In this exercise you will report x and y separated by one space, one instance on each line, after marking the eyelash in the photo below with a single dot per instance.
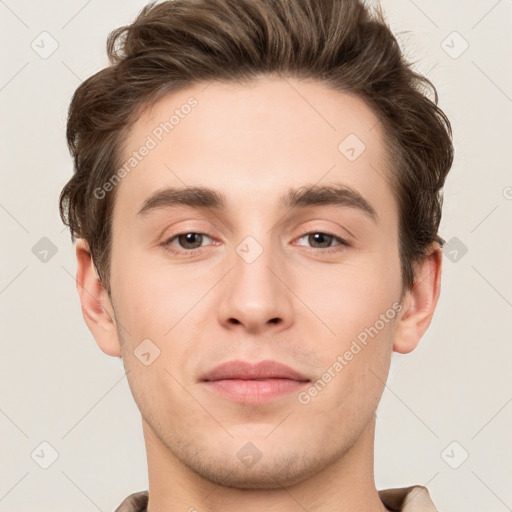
192 252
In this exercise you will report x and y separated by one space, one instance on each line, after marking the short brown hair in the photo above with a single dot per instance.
177 43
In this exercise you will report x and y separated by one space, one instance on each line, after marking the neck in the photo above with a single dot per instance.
342 485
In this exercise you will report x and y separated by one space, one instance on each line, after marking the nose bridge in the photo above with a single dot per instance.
254 296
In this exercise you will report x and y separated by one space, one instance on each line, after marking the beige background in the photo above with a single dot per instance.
57 387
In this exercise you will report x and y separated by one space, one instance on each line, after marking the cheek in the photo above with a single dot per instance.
151 299
355 311
350 296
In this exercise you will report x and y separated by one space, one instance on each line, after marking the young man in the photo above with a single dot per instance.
255 204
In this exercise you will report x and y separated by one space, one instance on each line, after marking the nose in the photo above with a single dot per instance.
254 295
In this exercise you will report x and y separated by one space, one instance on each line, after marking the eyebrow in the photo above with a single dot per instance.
303 197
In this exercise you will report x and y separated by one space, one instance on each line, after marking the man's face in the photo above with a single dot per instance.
264 281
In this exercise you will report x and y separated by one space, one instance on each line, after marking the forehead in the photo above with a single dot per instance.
254 139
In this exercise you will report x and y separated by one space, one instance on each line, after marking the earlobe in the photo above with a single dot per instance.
96 307
420 302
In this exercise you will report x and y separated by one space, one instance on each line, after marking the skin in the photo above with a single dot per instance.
252 143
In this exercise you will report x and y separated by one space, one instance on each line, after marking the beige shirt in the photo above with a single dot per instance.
405 499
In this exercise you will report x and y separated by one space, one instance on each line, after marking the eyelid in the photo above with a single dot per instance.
324 232
316 227
168 240
328 250
342 242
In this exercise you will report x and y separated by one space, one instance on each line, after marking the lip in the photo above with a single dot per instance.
246 382
244 370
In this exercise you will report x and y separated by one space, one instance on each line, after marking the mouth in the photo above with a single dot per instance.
262 382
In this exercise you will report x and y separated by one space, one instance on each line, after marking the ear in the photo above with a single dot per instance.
420 302
97 309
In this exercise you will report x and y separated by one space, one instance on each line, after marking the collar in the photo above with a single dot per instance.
415 498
